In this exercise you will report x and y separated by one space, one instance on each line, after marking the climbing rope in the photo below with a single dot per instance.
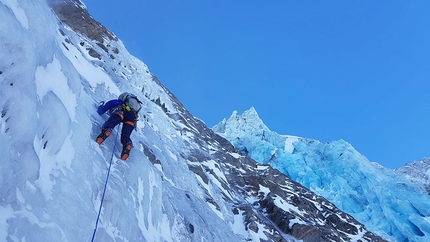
104 190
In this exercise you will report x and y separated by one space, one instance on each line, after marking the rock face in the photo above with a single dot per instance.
268 197
292 208
74 14
336 171
182 181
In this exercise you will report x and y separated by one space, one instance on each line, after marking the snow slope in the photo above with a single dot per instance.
388 204
182 182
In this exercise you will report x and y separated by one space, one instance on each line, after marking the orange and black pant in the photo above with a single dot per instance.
128 119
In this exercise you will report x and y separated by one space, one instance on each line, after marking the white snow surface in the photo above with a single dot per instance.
52 173
387 203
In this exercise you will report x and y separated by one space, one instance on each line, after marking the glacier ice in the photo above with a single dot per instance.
388 204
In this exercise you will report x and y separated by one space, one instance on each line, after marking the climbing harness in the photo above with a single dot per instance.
104 190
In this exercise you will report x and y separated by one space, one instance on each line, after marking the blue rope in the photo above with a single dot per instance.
104 190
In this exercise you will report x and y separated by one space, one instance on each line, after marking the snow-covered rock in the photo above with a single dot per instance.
182 182
387 203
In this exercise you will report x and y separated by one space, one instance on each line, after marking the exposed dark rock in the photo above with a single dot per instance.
198 170
191 228
3 112
103 47
65 46
73 13
94 53
151 157
306 233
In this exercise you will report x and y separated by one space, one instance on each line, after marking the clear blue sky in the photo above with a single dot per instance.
328 70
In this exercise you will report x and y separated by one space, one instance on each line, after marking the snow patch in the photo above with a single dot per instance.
52 164
289 147
52 79
94 75
235 155
18 11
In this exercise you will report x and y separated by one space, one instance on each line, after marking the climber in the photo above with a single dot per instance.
125 109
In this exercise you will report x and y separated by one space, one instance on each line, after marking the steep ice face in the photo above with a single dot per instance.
386 203
52 173
182 182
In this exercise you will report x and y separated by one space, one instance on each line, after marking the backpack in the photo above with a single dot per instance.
131 100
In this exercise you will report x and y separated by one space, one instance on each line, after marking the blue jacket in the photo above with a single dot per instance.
107 106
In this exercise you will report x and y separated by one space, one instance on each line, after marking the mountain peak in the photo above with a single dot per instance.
336 171
249 116
248 121
251 112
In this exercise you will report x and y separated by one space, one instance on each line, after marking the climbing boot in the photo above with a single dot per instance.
126 151
103 135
